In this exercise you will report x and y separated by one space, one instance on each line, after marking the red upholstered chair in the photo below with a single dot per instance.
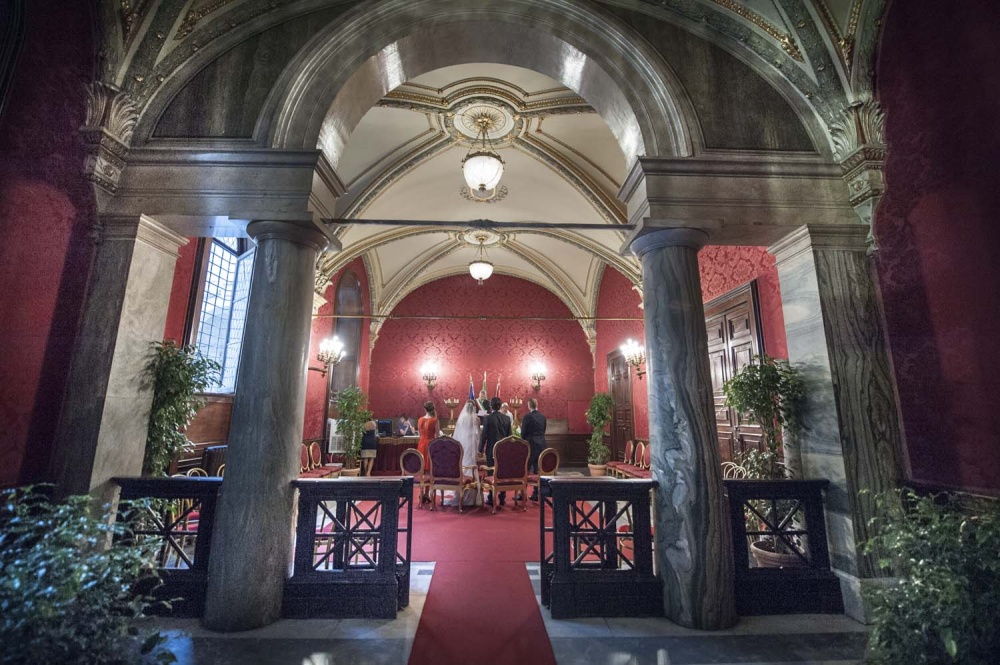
305 465
615 464
629 469
446 469
643 471
316 462
548 465
510 470
411 461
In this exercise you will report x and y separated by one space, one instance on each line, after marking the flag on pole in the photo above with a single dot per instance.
498 385
484 384
472 391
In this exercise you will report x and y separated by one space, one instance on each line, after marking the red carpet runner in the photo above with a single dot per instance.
480 607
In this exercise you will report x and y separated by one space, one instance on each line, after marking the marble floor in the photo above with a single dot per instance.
815 639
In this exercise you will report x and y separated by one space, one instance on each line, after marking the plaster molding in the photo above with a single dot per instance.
859 140
107 131
808 238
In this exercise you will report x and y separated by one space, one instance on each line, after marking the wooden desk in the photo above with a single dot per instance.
388 452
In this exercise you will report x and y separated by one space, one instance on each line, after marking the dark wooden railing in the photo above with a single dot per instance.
597 553
784 518
178 518
352 548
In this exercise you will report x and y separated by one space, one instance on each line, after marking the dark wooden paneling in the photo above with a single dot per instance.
622 417
572 448
209 428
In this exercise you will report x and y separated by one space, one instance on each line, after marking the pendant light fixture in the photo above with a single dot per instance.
481 268
482 166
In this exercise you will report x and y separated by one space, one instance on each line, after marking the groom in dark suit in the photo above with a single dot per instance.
496 426
533 431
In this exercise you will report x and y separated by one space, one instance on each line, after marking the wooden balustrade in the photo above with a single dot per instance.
597 553
352 549
787 517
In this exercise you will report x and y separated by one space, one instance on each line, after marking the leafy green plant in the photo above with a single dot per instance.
65 597
352 405
177 375
944 606
598 417
771 392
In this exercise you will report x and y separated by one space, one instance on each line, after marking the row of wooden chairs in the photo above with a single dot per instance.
635 463
508 474
311 463
198 472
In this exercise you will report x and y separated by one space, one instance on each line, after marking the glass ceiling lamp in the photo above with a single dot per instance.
482 167
481 268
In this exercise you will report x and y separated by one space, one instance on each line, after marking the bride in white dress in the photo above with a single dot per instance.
467 433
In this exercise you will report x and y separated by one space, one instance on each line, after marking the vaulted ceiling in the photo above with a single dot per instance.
403 162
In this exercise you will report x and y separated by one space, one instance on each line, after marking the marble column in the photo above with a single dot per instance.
836 339
693 542
105 415
252 540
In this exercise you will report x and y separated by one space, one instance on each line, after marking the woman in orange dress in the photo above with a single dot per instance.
429 430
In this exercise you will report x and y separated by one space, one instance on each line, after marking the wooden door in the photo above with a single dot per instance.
733 325
620 386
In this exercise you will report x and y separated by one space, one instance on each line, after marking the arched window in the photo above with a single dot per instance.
349 330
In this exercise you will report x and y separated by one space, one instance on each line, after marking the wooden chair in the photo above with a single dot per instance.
197 472
627 459
446 470
510 470
316 461
411 461
221 470
631 469
548 465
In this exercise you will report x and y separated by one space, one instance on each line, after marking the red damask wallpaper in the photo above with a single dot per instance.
180 292
722 270
500 347
323 327
46 214
938 235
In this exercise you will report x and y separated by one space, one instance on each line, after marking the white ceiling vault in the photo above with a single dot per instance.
403 162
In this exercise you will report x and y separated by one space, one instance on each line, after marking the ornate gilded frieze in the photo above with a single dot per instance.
107 131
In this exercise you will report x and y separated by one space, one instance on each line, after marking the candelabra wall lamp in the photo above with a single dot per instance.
537 376
515 403
429 374
635 356
331 352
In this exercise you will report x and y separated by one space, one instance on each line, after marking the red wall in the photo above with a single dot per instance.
938 234
46 213
322 328
180 292
722 270
461 347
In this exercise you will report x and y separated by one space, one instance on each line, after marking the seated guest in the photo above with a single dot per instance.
505 410
369 448
405 426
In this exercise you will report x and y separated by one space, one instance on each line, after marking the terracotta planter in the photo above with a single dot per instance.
598 469
350 472
765 558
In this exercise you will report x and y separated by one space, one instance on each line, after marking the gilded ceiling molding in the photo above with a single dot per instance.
859 141
626 265
597 167
411 270
195 14
436 103
783 37
107 131
391 174
608 208
845 40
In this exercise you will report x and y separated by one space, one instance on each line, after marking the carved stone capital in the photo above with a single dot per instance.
859 145
107 131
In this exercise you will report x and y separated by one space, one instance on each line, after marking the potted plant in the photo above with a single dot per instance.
770 392
942 604
177 374
352 407
598 417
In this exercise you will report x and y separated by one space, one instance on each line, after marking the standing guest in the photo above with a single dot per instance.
405 426
495 427
533 431
505 410
429 430
369 448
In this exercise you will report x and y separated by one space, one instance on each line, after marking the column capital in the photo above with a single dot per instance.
840 238
650 234
302 231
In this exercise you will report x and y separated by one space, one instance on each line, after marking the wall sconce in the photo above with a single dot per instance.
537 376
429 374
635 356
331 352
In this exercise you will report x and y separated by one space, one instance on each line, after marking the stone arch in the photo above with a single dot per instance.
348 66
